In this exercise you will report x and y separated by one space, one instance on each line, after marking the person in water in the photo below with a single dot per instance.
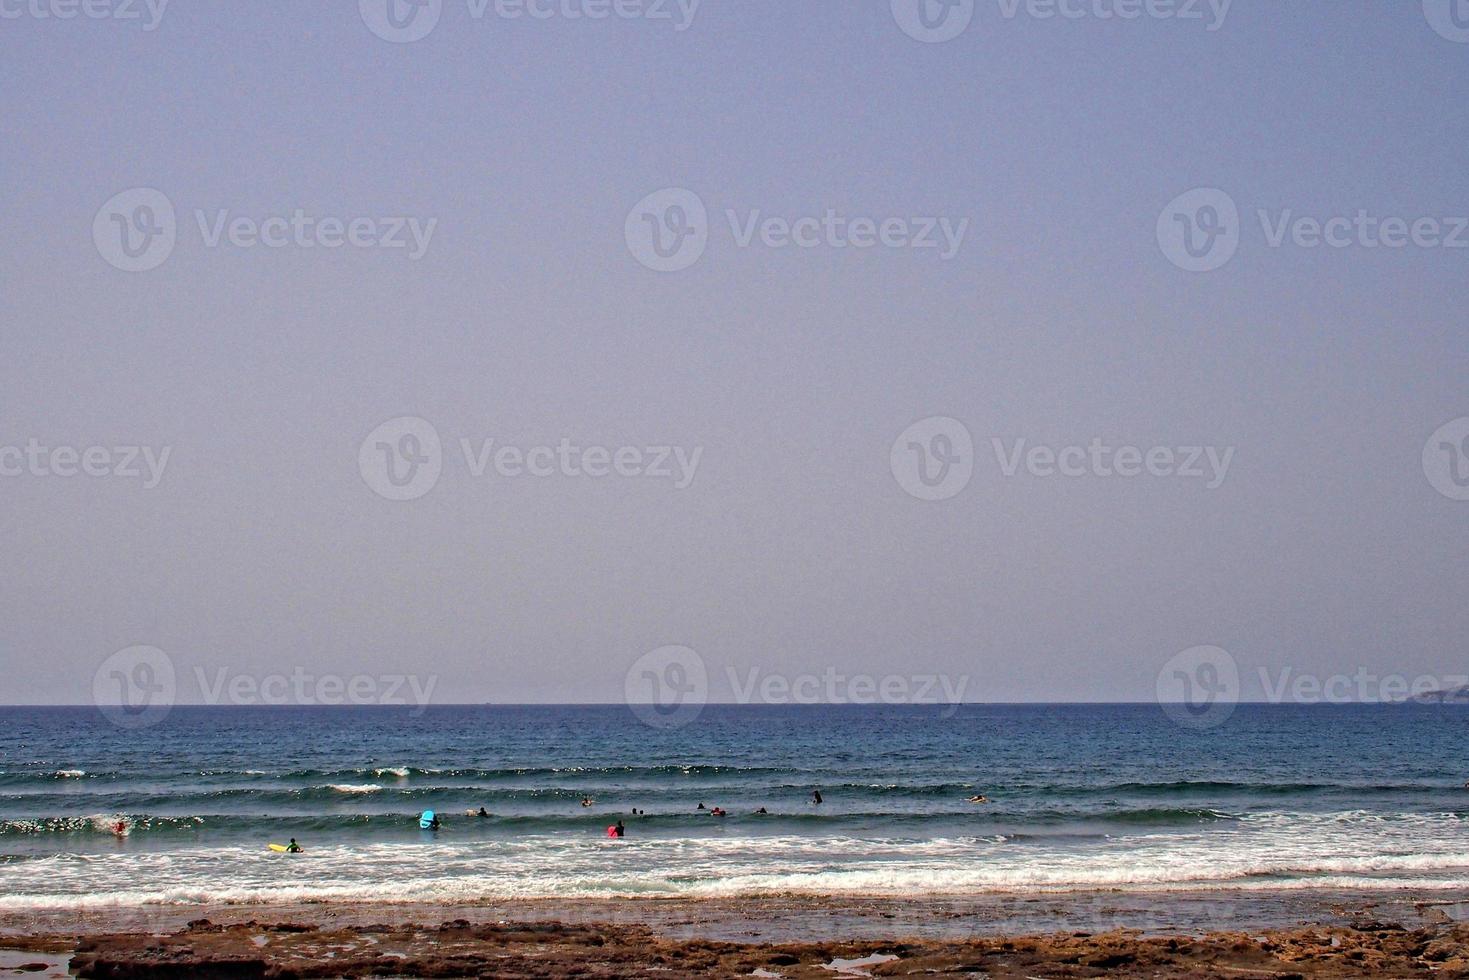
702 807
587 801
762 810
979 798
816 797
483 812
434 823
293 847
620 829
717 812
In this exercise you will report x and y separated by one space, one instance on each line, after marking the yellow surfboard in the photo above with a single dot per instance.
278 848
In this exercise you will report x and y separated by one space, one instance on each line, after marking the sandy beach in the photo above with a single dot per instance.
1323 934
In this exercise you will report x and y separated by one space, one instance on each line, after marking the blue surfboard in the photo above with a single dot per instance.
426 822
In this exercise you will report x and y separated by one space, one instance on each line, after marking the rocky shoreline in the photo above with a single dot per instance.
204 950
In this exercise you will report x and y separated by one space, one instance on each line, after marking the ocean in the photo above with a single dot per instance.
1081 797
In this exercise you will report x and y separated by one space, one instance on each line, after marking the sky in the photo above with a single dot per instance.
321 265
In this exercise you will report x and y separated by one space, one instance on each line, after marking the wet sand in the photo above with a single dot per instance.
1250 934
460 949
802 918
42 964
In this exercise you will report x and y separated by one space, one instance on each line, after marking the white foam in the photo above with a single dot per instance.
1270 851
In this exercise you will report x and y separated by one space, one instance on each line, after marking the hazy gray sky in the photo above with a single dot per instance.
1050 149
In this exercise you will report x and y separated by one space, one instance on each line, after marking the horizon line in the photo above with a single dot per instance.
758 704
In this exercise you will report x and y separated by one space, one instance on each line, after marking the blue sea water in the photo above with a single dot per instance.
1081 797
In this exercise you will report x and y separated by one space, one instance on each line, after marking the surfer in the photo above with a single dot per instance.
816 797
702 807
762 810
483 812
587 801
619 830
293 847
979 799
